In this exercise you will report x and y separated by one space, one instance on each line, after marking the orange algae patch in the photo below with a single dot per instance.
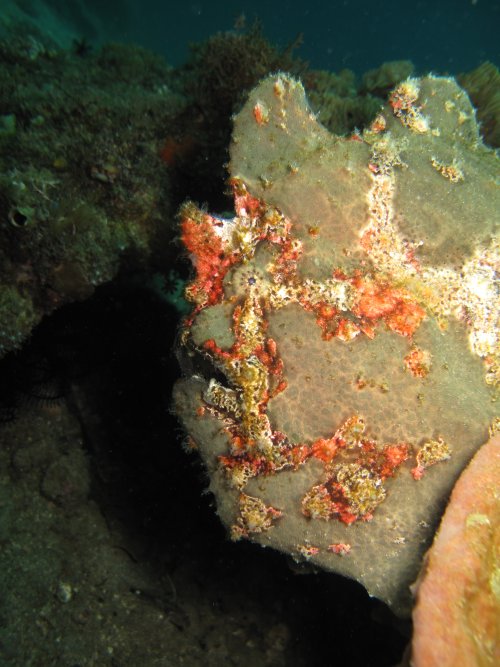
392 457
395 306
240 468
331 323
456 618
340 548
347 330
261 113
244 203
291 252
209 255
326 318
215 244
418 362
374 302
354 484
268 355
325 449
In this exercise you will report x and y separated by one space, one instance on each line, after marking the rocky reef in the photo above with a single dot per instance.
84 192
342 356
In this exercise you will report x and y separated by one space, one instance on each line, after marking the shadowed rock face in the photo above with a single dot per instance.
342 353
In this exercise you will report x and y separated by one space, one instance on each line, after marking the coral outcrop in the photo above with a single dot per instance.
342 357
84 193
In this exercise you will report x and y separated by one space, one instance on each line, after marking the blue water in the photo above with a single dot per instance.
444 36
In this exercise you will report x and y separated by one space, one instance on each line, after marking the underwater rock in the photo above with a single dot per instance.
383 79
84 194
342 357
339 100
483 87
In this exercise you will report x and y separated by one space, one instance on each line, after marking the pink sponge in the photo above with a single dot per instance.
457 616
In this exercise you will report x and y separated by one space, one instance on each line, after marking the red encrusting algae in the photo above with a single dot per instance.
395 306
211 257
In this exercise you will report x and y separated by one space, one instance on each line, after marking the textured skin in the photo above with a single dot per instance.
342 354
457 616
